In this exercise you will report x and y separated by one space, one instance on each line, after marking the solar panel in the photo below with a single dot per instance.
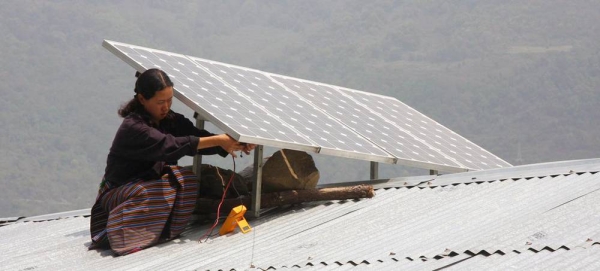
279 111
372 126
333 137
214 100
451 145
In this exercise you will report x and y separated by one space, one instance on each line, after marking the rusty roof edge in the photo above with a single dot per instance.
524 171
9 220
47 217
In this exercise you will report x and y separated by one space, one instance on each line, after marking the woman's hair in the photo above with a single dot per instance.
147 84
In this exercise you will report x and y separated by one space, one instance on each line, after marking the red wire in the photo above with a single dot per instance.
209 231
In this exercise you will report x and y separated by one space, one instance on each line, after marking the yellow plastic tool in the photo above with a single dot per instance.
235 217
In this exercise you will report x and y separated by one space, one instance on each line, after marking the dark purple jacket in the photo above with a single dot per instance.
140 149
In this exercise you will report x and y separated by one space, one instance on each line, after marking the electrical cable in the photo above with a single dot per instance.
209 231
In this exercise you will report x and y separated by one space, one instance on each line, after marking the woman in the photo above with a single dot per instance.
144 195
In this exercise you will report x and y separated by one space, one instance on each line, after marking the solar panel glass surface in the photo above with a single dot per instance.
318 127
219 102
287 112
446 142
363 121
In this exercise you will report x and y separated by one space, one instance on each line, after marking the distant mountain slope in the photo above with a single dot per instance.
500 73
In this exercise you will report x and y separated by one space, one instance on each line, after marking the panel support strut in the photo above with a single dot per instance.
374 171
257 180
198 158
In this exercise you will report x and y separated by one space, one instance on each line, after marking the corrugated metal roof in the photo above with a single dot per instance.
574 259
486 218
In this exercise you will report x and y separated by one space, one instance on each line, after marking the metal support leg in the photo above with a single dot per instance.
433 172
374 171
198 158
257 180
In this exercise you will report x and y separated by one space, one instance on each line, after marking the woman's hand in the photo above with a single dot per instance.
248 147
226 142
231 145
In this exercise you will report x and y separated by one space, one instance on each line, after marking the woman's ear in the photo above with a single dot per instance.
140 99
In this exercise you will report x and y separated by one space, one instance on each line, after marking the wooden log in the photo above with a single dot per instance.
204 205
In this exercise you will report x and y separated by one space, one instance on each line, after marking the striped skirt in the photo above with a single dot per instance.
136 215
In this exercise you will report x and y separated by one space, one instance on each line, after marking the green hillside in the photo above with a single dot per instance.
503 74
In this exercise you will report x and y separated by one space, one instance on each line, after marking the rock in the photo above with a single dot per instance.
286 170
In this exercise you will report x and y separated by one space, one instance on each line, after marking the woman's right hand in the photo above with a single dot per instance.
231 145
224 141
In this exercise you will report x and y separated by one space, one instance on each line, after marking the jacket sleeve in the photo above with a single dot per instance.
137 140
186 127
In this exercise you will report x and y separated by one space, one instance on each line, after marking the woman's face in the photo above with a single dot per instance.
159 105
